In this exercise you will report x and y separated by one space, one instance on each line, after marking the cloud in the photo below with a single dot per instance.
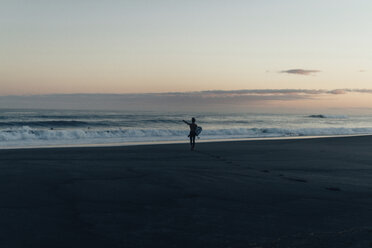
178 101
256 92
337 91
367 91
300 71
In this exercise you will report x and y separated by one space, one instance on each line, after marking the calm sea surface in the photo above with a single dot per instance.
23 128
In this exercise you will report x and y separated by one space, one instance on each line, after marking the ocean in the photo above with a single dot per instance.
35 128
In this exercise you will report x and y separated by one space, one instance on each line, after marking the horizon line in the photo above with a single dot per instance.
218 91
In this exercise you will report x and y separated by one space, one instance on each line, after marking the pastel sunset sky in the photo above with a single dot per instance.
138 47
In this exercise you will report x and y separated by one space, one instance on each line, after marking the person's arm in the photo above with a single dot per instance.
186 122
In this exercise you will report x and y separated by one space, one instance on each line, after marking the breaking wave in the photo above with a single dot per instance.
44 124
27 136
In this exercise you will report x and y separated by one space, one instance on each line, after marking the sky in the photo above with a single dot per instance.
141 47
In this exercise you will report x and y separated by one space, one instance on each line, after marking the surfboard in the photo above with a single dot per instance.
198 130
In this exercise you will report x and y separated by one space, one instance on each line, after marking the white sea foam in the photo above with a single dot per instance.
27 136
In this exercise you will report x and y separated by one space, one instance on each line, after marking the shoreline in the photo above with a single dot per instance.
150 143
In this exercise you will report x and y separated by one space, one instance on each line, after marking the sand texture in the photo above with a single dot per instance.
279 193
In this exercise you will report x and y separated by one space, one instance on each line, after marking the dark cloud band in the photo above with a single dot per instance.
170 100
300 71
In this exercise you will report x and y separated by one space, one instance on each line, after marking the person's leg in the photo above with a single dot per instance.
193 142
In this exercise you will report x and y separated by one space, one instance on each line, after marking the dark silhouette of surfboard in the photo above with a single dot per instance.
198 130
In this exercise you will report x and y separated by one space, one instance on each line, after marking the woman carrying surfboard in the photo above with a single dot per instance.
194 131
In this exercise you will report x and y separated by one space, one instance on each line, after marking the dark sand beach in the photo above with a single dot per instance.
274 193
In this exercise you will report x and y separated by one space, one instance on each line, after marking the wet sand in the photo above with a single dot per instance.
277 193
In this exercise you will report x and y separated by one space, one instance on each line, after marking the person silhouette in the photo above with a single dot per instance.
192 134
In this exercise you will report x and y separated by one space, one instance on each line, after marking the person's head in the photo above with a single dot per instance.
193 120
